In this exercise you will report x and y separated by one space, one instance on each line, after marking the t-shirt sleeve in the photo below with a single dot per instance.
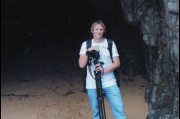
114 50
83 49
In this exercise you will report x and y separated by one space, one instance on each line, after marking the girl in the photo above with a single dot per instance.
109 85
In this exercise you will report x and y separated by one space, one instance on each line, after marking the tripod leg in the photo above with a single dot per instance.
101 106
100 95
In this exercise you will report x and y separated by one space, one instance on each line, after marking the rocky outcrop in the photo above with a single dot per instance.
159 23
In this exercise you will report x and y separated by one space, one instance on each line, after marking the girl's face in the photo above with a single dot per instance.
98 31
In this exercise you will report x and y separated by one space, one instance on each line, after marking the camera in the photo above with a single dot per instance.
93 54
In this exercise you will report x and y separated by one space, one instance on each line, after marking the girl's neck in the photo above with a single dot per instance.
98 40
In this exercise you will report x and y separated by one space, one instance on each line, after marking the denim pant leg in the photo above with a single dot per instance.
93 102
114 98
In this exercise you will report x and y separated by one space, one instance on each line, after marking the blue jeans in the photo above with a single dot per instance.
114 98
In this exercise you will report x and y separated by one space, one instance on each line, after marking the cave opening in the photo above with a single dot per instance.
40 41
36 33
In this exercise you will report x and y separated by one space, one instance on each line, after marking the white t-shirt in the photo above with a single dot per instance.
108 79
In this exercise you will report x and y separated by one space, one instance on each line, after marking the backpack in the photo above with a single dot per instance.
88 45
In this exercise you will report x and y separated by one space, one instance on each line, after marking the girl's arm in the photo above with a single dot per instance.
83 60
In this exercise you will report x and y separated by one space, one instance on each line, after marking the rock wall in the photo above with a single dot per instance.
159 23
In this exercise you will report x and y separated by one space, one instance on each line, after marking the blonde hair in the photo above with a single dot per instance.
98 22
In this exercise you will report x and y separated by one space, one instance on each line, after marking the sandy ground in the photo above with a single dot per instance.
51 88
59 97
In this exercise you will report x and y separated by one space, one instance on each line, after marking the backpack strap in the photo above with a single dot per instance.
88 43
110 43
110 48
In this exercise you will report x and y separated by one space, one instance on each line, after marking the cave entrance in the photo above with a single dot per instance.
46 28
42 40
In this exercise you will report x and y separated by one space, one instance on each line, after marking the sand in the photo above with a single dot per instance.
37 87
60 96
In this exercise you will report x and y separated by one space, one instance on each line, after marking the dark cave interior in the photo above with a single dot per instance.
41 35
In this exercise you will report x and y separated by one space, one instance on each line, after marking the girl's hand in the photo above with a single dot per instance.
99 68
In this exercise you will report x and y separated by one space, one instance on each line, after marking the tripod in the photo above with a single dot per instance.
94 55
100 97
